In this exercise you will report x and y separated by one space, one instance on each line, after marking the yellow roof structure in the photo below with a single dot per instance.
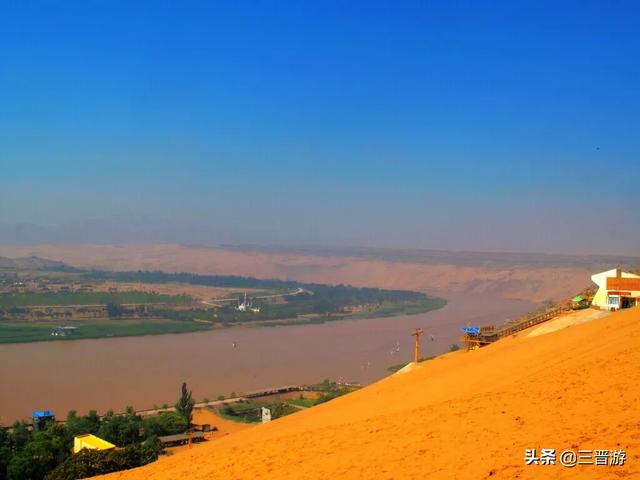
90 442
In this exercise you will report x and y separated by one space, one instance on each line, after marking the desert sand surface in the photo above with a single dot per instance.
465 415
200 417
224 426
533 279
568 320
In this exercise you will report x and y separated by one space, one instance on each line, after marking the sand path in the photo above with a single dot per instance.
570 319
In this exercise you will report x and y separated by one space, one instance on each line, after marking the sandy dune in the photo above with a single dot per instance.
531 281
568 320
467 415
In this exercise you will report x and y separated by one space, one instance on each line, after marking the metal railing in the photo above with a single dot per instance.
488 335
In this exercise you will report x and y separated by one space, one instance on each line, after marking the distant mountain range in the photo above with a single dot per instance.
451 257
142 230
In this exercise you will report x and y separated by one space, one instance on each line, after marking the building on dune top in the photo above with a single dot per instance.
617 289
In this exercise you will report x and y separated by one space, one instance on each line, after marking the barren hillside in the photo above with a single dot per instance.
512 277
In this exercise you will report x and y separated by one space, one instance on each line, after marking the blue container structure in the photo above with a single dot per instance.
41 418
471 337
471 330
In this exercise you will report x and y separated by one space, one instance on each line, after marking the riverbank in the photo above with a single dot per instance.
34 331
27 332
66 303
143 371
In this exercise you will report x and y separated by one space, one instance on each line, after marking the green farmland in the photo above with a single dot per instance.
9 300
20 332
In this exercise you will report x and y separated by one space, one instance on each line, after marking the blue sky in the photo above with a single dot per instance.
506 125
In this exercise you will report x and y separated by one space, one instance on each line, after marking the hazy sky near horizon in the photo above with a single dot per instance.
462 125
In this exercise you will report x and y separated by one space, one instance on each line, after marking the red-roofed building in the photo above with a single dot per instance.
617 289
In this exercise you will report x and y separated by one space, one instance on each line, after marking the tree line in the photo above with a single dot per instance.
27 454
345 292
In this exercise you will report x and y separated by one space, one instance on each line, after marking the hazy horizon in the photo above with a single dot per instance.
124 230
475 127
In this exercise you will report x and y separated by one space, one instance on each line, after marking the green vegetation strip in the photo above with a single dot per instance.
303 402
249 411
24 317
8 300
18 332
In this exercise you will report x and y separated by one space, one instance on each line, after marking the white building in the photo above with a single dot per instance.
617 289
247 305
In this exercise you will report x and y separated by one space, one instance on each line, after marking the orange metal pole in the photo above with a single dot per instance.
417 333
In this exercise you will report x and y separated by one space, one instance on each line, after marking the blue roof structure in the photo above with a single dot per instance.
43 414
471 330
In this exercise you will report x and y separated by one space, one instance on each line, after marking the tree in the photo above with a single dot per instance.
280 409
167 423
35 455
20 435
89 463
114 310
5 452
185 404
41 454
121 429
81 425
326 385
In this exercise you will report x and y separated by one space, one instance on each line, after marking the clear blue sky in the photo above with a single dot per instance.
474 125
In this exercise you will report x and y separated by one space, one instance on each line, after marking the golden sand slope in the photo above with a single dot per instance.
461 416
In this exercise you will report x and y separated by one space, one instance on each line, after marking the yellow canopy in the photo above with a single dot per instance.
90 442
